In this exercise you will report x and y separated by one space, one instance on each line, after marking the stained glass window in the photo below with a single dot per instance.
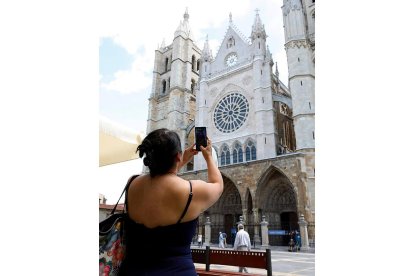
237 154
225 156
253 152
231 112
250 151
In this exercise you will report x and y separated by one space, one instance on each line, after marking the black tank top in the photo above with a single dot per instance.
163 250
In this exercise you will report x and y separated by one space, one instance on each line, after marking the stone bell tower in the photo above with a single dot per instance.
300 52
299 25
175 76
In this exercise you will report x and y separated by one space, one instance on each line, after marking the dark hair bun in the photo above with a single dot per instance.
160 147
147 161
145 148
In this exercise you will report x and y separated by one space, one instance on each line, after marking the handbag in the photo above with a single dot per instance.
111 239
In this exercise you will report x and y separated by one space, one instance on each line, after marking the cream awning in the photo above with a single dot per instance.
117 143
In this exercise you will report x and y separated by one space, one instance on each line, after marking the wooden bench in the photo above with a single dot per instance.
255 259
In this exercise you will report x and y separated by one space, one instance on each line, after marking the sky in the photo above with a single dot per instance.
131 31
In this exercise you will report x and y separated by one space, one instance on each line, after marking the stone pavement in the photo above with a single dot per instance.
284 263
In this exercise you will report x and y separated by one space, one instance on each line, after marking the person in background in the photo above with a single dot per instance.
221 240
200 240
292 235
291 245
163 208
298 241
224 239
242 243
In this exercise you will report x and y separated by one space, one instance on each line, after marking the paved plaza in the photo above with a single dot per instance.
284 263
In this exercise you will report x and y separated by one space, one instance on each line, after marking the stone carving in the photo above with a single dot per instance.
291 5
284 109
297 44
295 4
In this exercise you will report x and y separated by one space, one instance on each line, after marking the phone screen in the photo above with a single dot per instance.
200 137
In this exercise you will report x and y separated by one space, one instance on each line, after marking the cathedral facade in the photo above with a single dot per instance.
262 130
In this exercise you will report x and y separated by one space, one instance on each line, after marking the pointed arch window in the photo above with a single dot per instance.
237 153
198 65
166 64
250 151
193 62
231 42
287 136
164 86
225 156
253 152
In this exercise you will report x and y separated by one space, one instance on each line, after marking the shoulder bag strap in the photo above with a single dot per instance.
126 188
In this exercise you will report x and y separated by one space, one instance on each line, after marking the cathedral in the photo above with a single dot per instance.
262 130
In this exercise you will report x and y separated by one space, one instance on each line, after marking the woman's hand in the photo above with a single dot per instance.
188 154
207 150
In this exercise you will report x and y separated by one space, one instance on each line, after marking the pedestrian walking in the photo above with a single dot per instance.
200 240
291 245
221 240
292 235
242 243
298 241
224 239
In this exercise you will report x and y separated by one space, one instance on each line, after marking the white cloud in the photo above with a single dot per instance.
136 79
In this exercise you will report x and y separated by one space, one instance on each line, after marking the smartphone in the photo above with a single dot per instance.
200 137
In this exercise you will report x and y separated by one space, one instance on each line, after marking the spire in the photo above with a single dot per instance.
184 28
162 44
230 18
269 56
258 28
206 53
186 15
277 72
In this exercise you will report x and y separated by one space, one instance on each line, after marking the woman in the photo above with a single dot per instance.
163 208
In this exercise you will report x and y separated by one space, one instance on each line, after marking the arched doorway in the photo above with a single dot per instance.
225 213
278 202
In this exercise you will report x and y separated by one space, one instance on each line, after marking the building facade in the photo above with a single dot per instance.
261 129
